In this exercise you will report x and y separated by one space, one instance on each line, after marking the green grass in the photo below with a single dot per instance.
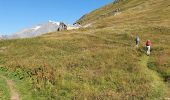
22 86
4 91
100 62
82 66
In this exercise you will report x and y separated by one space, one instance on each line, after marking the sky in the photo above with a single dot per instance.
16 15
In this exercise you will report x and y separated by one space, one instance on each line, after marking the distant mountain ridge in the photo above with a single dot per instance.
37 30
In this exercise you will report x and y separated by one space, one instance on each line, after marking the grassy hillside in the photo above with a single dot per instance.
132 12
100 62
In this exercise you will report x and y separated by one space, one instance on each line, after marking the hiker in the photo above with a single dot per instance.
137 41
148 46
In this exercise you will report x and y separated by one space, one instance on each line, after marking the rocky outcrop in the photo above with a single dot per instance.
62 27
117 1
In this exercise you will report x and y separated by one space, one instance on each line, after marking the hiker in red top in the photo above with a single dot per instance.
148 46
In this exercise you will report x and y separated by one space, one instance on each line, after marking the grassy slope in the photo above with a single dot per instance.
149 19
100 62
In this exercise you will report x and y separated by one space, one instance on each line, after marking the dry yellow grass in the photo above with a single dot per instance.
100 62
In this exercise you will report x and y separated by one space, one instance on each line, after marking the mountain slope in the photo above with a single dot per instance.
100 61
130 12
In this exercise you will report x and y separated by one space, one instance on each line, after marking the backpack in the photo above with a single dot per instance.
148 43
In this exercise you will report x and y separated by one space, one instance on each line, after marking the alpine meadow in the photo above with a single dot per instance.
98 61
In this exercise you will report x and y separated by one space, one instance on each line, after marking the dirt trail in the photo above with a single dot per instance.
14 94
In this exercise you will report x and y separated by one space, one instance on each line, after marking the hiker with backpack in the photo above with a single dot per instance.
148 47
137 41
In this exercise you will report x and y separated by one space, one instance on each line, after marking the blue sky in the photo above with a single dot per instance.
18 14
